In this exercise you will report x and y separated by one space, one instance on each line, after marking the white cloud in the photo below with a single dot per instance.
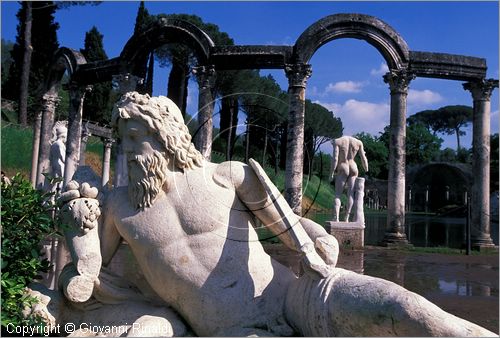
494 121
423 97
380 71
344 87
358 116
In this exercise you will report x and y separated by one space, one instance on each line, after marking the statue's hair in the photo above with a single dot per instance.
165 119
58 129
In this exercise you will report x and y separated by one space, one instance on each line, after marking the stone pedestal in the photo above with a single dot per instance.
352 234
348 234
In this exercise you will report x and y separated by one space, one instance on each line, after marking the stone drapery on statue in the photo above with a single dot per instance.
190 226
57 154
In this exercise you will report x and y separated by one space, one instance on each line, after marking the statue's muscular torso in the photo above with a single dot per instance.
348 147
193 260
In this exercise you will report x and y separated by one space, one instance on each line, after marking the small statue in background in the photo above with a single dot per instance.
57 156
345 170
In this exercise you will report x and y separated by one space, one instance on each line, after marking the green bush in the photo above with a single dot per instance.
25 222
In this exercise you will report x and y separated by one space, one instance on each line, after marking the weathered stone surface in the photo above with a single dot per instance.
347 304
481 94
348 234
189 224
447 66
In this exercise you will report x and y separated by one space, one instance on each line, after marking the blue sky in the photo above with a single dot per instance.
347 73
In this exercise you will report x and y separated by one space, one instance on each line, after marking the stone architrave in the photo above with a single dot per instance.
398 81
124 83
220 280
297 75
77 96
206 77
480 199
49 103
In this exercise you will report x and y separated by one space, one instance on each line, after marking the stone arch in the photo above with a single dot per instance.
65 59
359 26
162 32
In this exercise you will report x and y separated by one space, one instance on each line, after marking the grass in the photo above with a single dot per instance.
16 143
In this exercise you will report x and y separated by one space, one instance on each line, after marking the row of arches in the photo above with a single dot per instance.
404 65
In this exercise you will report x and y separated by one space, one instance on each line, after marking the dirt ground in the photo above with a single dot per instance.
466 286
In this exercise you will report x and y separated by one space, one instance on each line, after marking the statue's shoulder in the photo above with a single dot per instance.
229 173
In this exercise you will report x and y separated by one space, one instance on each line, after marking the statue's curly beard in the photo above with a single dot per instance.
147 177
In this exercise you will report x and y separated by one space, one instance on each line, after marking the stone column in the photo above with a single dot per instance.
37 126
49 104
297 75
480 199
108 143
122 84
83 146
203 138
76 98
398 81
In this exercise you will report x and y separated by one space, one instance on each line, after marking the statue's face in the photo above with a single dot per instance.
137 139
147 165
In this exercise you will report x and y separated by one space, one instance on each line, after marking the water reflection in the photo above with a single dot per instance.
464 288
424 230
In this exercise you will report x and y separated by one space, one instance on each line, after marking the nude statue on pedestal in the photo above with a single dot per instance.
345 170
190 226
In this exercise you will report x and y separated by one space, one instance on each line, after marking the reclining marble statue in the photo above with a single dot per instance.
190 225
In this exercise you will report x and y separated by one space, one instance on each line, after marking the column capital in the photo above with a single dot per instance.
124 83
481 90
399 80
50 100
77 91
298 74
85 133
205 75
108 142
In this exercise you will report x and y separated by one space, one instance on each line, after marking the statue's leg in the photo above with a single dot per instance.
340 181
349 304
350 196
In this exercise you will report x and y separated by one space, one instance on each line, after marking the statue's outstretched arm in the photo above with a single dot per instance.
364 160
79 217
335 160
263 199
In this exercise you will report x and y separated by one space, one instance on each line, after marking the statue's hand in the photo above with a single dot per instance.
80 206
313 264
328 248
